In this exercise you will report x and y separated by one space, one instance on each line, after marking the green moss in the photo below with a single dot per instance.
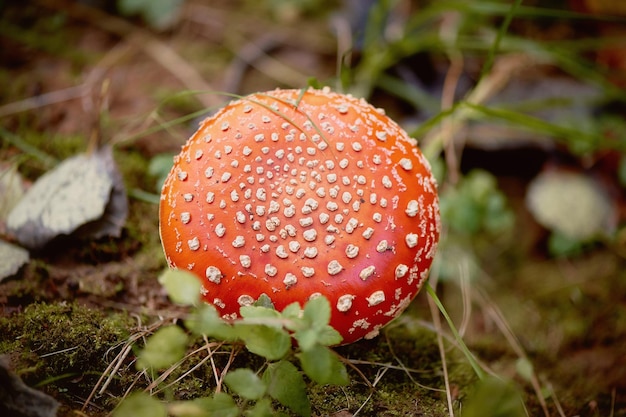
417 390
62 345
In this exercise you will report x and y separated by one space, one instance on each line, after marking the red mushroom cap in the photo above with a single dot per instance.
296 194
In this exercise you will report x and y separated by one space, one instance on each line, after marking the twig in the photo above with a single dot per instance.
505 68
449 33
557 403
165 374
43 100
233 354
117 362
379 375
352 364
213 366
56 352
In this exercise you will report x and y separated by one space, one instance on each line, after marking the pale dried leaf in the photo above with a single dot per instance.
11 189
12 258
83 191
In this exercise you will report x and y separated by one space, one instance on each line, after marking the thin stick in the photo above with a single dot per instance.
43 100
379 375
188 372
448 33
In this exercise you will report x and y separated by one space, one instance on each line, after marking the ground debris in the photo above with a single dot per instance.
84 194
19 400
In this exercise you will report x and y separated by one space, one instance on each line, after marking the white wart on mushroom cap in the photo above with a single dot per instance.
295 195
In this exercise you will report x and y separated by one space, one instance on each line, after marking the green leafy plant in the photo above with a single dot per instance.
295 335
159 15
476 205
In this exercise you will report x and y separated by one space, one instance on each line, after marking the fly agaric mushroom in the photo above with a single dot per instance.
296 194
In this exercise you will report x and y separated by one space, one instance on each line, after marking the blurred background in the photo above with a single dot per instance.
519 106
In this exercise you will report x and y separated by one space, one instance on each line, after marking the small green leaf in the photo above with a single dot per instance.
162 14
159 167
264 301
183 287
245 383
328 336
476 204
158 14
262 408
306 338
314 82
255 313
323 367
524 369
221 405
270 342
317 312
313 327
163 348
286 385
560 245
292 311
192 408
309 338
205 320
140 404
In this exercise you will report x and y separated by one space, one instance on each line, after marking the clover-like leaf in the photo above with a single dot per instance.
262 408
264 301
322 366
257 314
221 405
317 312
270 342
183 287
292 312
166 346
313 328
245 383
286 385
205 320
140 404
